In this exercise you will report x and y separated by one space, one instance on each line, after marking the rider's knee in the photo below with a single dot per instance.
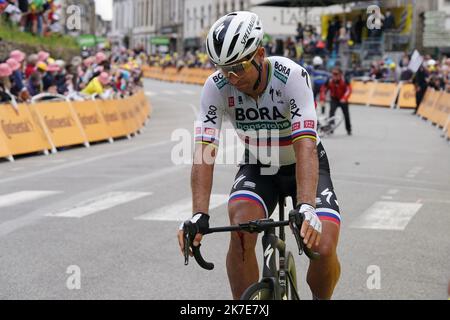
242 212
327 249
243 242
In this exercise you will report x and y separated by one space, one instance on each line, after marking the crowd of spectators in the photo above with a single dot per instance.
38 17
435 73
106 74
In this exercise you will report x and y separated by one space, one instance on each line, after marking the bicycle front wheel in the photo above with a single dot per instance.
258 291
291 288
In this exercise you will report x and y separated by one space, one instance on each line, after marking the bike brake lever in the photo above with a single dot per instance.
187 235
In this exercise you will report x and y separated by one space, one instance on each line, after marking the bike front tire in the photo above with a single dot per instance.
259 291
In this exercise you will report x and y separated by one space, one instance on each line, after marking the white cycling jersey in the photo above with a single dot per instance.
283 114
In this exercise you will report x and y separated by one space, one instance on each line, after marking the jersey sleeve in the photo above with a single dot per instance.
301 100
209 120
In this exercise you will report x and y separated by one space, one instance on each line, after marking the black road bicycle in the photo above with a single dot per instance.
277 283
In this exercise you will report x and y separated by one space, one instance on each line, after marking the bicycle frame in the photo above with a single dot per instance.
278 279
270 243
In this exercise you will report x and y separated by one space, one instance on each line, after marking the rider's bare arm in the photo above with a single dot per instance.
202 177
307 170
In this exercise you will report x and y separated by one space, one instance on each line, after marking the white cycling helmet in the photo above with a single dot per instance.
317 61
233 37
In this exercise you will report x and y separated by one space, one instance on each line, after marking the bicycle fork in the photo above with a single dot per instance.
277 280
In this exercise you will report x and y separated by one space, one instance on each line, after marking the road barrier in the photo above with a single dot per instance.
183 75
435 106
44 126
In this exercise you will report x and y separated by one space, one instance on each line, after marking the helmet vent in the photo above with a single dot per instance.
232 59
249 43
232 45
239 27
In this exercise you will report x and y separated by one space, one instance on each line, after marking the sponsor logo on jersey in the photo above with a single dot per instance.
220 80
240 100
296 126
231 102
309 124
259 114
282 72
211 116
295 110
263 125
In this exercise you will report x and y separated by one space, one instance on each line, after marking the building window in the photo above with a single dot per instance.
188 19
209 15
225 7
217 10
202 17
233 6
146 12
241 5
195 19
151 12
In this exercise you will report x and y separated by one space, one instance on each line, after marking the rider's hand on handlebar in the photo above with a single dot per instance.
200 221
312 226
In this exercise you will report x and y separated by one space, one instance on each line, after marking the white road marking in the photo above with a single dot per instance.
413 172
392 191
12 199
181 210
387 197
17 169
189 92
100 203
169 92
84 161
387 216
150 93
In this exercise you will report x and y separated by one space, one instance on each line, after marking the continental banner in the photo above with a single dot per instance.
384 94
21 134
49 125
4 150
184 75
141 107
407 97
361 91
64 127
92 120
428 102
109 109
441 111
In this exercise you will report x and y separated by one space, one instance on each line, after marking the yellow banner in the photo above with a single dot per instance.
441 110
62 123
384 94
361 92
20 132
116 128
407 98
92 121
428 102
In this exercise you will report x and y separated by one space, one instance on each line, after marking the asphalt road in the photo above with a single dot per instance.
110 213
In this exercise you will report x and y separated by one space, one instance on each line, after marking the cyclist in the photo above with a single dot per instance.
274 94
320 77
